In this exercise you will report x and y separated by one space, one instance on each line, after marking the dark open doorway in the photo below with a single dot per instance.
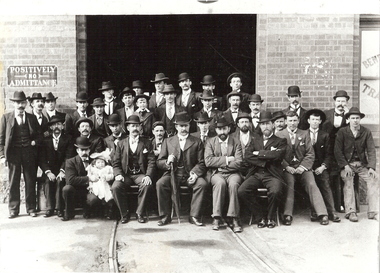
126 48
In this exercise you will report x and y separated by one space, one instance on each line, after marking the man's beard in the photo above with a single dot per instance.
244 129
223 137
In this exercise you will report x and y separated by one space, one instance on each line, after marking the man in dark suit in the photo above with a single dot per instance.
203 123
127 97
235 81
335 120
207 98
166 112
37 103
84 126
208 85
294 97
243 134
223 157
264 156
56 149
117 134
133 163
137 86
232 113
111 103
19 135
157 99
77 180
255 104
279 121
81 111
298 163
323 157
99 119
185 154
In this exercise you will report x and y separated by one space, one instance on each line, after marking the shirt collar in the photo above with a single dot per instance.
205 134
57 138
290 131
266 138
145 110
37 114
17 113
119 135
314 130
182 137
51 113
186 92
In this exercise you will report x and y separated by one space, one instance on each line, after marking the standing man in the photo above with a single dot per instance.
298 163
147 117
127 97
255 104
185 154
279 121
208 84
294 97
235 81
223 157
335 120
166 112
232 113
157 99
137 87
323 157
204 132
111 103
19 134
84 127
355 153
99 119
37 102
117 134
81 111
56 149
264 154
133 163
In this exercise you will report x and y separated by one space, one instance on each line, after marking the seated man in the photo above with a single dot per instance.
355 153
298 163
185 154
264 156
223 157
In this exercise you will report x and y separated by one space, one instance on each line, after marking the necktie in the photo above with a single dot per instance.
84 114
99 120
55 142
292 137
21 115
313 137
170 113
39 120
339 115
223 147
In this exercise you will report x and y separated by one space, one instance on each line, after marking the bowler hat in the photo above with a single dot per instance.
158 123
208 79
294 90
18 96
255 98
316 112
169 88
137 84
142 96
84 119
98 102
55 119
341 93
234 75
36 96
202 117
277 115
243 115
82 142
159 77
127 90
221 122
133 119
265 116
234 94
182 118
49 96
354 111
183 76
106 86
113 119
206 95
81 96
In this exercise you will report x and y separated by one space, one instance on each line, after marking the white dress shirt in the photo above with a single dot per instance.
133 142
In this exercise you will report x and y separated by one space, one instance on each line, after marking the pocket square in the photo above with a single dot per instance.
145 151
299 138
273 148
302 143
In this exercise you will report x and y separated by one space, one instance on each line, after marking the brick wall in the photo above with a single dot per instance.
319 53
40 40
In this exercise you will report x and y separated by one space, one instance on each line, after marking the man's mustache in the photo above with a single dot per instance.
85 131
135 131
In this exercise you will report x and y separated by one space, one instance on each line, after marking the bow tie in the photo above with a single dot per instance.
234 112
159 143
182 139
116 137
257 117
339 115
133 141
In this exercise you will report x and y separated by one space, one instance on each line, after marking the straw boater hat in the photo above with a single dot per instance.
159 77
317 112
18 96
341 93
106 86
354 111
182 118
82 142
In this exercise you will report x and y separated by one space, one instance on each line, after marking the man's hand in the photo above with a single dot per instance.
33 143
290 170
61 175
299 170
230 158
147 181
372 173
119 177
51 176
348 172
320 170
171 158
193 177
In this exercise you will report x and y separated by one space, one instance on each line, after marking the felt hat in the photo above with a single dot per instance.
141 96
318 112
206 95
183 76
133 119
127 90
265 116
354 111
81 96
113 119
55 119
36 96
82 142
203 117
98 102
49 96
243 115
221 122
208 79
277 115
18 96
234 94
137 84
294 90
233 75
341 93
84 119
169 88
159 77
255 98
182 118
106 86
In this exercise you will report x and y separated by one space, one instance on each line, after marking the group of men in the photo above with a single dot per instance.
227 144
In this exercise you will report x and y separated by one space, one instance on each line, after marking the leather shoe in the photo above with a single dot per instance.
60 213
288 220
140 219
314 218
33 214
271 224
48 213
324 220
353 217
215 224
372 215
12 215
67 218
195 221
262 223
236 226
334 218
125 219
164 220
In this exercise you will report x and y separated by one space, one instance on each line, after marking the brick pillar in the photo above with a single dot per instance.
81 52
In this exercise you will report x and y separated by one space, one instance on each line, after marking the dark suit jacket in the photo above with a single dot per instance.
215 114
160 114
215 160
147 119
73 119
153 104
110 144
322 149
193 105
52 160
97 145
123 117
117 104
244 104
228 115
102 130
76 175
146 157
363 143
57 113
43 127
303 125
303 149
328 125
270 156
193 155
6 131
